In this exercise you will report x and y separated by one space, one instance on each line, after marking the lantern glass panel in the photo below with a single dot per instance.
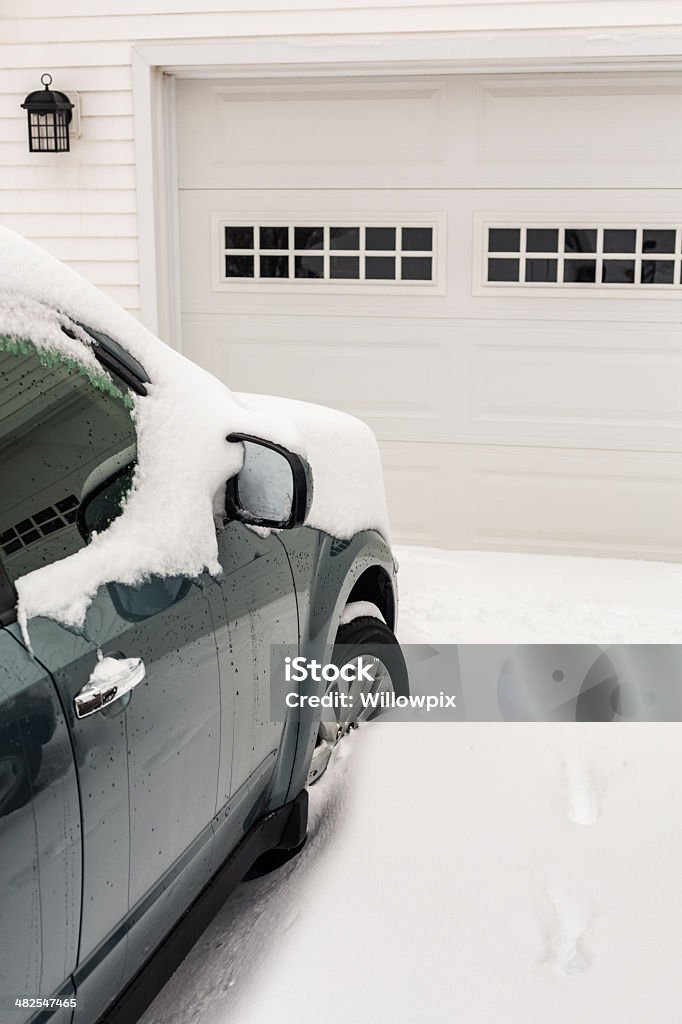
49 132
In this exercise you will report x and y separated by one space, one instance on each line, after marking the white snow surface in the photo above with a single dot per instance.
184 460
359 609
493 597
474 872
461 887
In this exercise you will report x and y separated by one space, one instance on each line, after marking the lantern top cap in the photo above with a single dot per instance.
46 100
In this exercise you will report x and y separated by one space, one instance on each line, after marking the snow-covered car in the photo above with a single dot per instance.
160 537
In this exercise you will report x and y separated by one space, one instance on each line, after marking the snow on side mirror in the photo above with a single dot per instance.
272 489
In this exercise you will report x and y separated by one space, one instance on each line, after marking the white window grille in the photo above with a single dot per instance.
338 254
582 255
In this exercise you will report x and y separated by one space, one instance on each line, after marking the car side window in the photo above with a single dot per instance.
64 428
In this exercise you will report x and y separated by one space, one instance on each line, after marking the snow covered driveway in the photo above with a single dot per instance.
475 872
461 886
479 597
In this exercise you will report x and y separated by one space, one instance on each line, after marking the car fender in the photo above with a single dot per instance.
338 567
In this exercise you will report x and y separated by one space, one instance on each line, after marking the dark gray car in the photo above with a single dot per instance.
141 772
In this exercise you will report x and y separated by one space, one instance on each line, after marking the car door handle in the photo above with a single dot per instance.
110 679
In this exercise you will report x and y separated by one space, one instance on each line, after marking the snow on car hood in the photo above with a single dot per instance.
183 460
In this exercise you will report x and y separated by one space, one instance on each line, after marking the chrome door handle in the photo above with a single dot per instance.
110 679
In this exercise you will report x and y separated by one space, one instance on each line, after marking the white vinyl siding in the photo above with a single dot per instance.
79 205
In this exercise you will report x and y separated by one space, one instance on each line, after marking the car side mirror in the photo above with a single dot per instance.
273 488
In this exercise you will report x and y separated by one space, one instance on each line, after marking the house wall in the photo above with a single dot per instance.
81 206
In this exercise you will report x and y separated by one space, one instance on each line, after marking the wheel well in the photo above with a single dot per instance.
374 585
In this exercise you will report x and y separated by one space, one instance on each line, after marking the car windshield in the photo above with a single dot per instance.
60 424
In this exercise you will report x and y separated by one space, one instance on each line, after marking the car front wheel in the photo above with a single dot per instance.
370 641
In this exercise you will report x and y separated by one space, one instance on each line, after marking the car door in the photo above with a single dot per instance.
147 765
40 841
257 609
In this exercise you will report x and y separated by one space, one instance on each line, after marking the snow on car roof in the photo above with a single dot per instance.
167 526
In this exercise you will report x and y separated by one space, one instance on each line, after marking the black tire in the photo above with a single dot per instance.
370 636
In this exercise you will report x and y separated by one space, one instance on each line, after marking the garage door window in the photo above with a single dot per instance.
592 256
334 253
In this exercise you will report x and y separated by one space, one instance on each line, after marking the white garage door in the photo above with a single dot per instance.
485 269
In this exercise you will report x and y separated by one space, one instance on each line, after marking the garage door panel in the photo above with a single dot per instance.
578 503
567 392
532 130
392 384
520 499
460 222
592 130
254 134
415 495
579 386
206 215
604 231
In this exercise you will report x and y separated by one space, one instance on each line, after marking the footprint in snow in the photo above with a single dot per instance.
584 790
567 922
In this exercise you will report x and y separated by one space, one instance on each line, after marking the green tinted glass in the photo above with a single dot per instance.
61 425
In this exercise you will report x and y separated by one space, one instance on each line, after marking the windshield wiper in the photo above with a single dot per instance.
106 358
114 365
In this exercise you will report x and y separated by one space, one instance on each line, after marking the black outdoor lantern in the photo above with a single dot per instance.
49 116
